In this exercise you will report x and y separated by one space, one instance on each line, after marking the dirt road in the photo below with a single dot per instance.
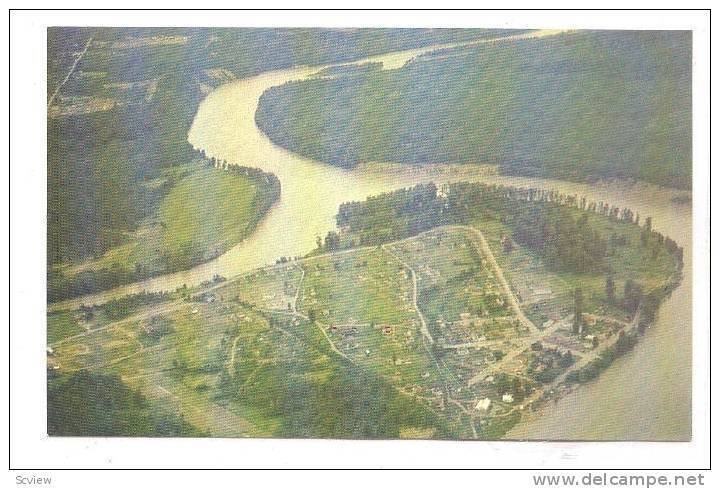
67 77
485 250
423 323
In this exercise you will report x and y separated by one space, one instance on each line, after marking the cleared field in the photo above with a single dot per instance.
203 212
62 325
232 370
268 288
367 286
547 295
455 285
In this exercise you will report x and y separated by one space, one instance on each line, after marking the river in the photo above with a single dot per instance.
645 395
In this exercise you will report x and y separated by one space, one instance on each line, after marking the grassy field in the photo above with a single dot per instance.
271 289
454 279
367 286
204 212
581 105
208 211
527 273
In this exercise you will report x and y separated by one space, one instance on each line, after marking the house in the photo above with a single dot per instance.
508 398
591 341
483 405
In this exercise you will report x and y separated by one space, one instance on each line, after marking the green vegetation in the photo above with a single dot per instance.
390 216
90 404
337 345
430 312
117 139
314 396
223 369
576 242
455 282
124 306
581 105
197 228
62 325
362 287
183 231
625 343
349 69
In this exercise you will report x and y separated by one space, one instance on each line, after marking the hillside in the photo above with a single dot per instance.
579 106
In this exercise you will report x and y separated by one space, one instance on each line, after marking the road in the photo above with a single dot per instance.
487 252
67 77
520 344
423 323
146 313
297 292
225 128
584 359
523 344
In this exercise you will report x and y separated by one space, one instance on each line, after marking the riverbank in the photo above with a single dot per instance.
486 102
183 232
599 407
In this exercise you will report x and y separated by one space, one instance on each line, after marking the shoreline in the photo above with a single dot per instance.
565 389
263 203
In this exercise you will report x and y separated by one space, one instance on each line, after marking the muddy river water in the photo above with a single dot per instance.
644 395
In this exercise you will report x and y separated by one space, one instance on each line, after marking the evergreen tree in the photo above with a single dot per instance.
610 289
577 321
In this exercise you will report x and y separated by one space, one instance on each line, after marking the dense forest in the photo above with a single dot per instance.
581 105
92 404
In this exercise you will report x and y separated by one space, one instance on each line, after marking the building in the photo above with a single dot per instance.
483 405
